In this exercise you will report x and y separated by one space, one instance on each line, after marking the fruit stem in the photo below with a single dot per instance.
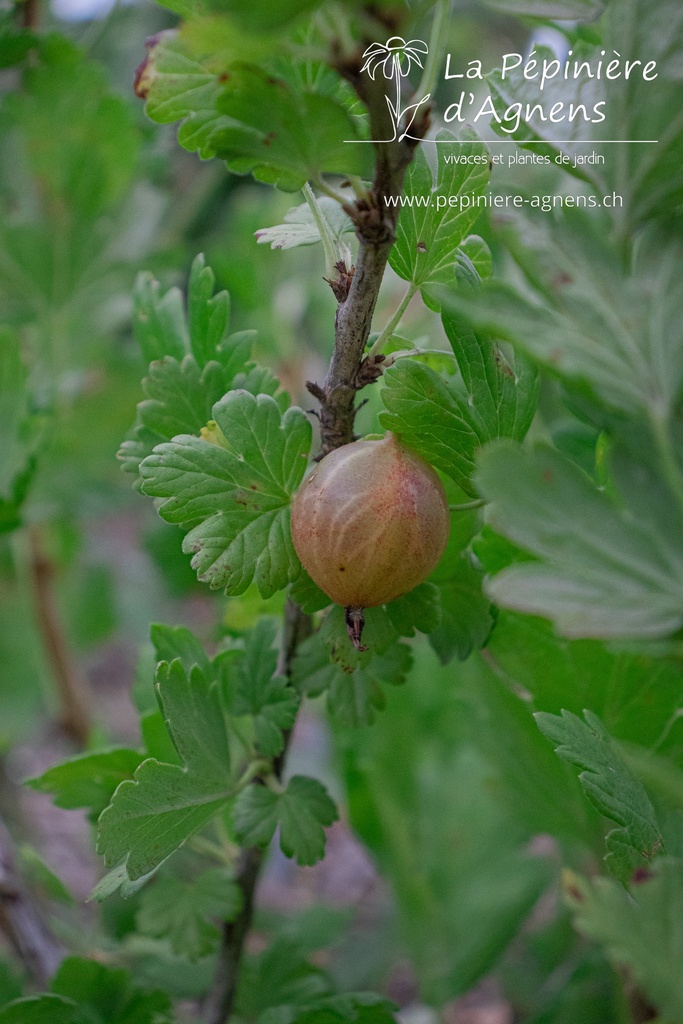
355 620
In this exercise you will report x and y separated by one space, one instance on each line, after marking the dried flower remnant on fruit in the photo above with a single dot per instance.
369 524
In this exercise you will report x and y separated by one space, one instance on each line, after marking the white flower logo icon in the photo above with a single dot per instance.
395 58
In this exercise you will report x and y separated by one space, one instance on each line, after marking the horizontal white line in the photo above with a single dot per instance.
555 142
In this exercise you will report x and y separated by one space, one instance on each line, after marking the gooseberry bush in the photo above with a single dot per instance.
489 514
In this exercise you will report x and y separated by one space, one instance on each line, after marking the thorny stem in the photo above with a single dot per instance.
74 715
375 222
221 999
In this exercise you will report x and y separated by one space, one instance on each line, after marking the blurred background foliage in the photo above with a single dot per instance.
442 884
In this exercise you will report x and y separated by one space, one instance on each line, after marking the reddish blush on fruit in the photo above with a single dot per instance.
369 524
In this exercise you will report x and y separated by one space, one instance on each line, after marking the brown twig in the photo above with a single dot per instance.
27 933
221 998
375 220
30 14
348 372
74 717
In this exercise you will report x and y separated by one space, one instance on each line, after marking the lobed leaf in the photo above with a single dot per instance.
236 497
260 693
185 912
88 780
641 930
428 236
194 361
153 814
602 571
610 786
302 811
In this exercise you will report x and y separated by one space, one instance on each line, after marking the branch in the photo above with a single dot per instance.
26 932
375 220
221 998
71 686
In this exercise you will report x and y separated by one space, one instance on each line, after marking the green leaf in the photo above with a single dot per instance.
637 698
430 416
430 231
41 877
432 821
300 228
547 137
194 361
238 496
208 314
14 412
153 814
637 366
308 594
610 786
276 129
261 16
354 698
302 811
538 790
282 133
159 320
171 642
473 261
107 996
501 393
641 930
117 880
651 186
186 912
88 780
604 572
446 422
45 1009
647 185
349 1008
178 87
69 152
466 619
281 978
19 431
353 681
420 609
258 692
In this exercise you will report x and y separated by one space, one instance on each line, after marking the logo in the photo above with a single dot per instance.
394 59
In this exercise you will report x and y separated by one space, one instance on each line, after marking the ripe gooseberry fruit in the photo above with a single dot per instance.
369 524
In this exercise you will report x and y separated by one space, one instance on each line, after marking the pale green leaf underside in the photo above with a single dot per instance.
641 931
602 572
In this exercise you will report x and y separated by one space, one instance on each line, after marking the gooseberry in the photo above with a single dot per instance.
369 524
